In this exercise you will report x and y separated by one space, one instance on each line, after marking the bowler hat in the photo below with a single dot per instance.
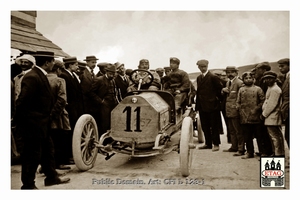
44 54
263 65
90 58
174 59
202 62
110 68
284 61
231 68
270 74
70 60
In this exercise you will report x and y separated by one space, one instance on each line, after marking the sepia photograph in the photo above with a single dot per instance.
148 98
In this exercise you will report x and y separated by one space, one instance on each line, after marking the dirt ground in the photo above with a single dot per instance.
210 171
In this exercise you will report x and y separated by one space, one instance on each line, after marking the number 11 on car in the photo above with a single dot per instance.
137 110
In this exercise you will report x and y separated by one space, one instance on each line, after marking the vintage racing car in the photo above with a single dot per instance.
142 125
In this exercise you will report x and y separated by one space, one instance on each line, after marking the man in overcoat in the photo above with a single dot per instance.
104 93
284 67
33 113
208 98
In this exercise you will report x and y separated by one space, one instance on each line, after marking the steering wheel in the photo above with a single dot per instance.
141 77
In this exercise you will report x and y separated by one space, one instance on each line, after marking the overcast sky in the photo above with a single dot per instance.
223 37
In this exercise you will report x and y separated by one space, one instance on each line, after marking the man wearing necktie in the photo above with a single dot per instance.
87 79
208 104
121 80
284 67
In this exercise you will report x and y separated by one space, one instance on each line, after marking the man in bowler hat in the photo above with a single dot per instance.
33 114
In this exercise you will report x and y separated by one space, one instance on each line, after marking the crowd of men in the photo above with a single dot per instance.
49 96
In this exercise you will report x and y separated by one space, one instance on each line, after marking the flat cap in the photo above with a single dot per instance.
144 61
231 68
159 69
202 62
174 59
90 58
167 68
118 65
70 60
284 61
263 65
110 68
270 74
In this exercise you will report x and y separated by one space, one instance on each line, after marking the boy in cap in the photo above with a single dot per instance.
284 67
271 112
233 119
249 102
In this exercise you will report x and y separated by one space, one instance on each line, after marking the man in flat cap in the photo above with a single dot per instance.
122 80
233 119
180 83
284 67
263 139
155 85
104 93
208 100
34 109
271 112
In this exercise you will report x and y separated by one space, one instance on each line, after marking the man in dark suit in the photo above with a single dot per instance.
74 98
87 79
122 81
104 93
284 67
33 113
208 98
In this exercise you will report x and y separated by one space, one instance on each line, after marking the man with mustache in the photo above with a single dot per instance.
233 119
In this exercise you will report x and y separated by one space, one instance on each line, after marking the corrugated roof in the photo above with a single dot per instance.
28 39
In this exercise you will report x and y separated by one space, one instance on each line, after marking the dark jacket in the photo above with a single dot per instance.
86 86
121 86
208 93
35 103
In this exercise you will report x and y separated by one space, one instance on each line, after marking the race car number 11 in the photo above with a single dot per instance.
127 109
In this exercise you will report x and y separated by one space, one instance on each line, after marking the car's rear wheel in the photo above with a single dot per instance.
85 138
186 141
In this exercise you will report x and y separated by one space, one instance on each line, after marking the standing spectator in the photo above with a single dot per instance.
180 83
104 93
263 139
26 62
102 69
208 97
60 125
233 118
271 112
284 67
122 81
87 79
74 98
249 102
33 114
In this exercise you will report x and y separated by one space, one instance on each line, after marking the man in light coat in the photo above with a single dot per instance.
271 112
